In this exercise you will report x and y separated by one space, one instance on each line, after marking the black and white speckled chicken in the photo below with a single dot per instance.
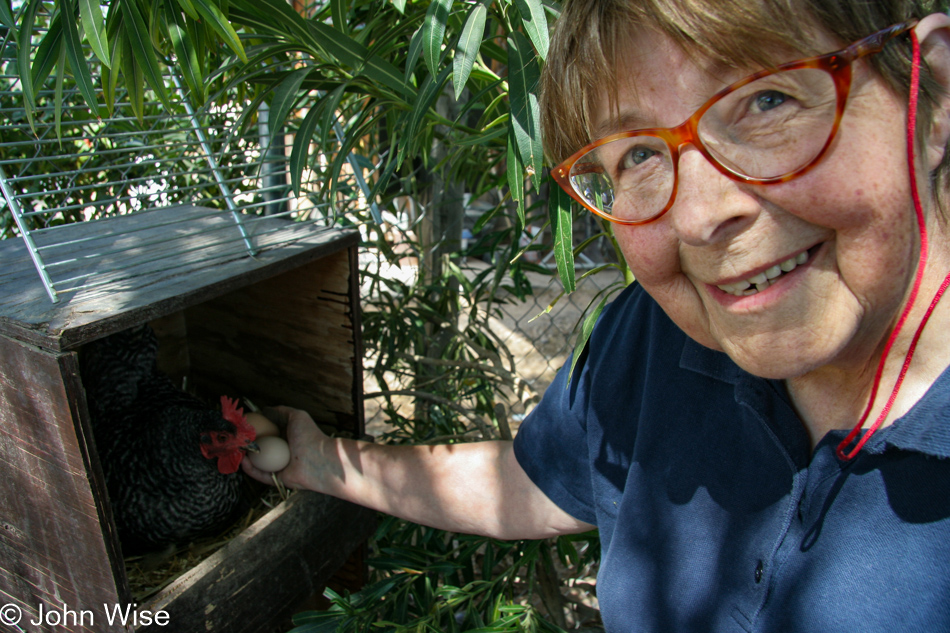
170 460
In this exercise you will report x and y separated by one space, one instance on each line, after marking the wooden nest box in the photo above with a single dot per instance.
282 327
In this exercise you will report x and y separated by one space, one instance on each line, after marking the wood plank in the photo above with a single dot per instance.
140 287
261 577
356 320
290 340
52 547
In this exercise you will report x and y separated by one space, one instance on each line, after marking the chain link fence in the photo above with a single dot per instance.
539 331
541 342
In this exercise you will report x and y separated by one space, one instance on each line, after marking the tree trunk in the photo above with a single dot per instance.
440 236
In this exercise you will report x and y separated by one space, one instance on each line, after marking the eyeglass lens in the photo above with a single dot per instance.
768 128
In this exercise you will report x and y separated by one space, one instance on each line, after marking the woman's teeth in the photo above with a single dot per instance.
762 281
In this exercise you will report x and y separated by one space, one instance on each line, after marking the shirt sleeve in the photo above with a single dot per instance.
576 445
552 448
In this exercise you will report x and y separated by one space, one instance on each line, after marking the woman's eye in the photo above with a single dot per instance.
637 156
769 100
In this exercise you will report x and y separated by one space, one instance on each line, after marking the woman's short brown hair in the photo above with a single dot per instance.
590 37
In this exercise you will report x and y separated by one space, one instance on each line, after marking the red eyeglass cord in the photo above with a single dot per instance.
922 227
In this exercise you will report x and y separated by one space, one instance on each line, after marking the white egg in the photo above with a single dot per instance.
262 425
274 455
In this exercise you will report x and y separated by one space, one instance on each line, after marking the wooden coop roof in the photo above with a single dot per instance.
207 260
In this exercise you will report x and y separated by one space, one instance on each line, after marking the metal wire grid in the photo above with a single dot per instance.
70 167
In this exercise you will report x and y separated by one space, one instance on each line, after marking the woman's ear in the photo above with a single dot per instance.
933 33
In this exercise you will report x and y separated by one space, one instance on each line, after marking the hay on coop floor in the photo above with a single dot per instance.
149 575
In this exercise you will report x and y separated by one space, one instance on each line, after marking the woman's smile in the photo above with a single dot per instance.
765 278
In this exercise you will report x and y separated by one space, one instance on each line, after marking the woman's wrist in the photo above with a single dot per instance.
325 468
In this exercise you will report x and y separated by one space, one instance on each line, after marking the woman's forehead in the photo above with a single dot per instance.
653 72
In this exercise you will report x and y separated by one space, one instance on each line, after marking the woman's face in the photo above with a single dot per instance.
845 232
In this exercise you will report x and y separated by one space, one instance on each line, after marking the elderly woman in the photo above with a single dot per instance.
746 427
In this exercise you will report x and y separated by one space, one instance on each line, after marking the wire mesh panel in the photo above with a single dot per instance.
64 165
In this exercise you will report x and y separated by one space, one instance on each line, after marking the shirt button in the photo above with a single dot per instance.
758 571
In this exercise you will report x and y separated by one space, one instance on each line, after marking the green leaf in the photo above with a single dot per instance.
515 173
381 71
584 335
467 50
428 93
301 149
113 22
23 57
559 211
109 83
185 51
338 11
523 75
134 79
535 24
154 20
331 106
6 16
495 52
219 22
95 30
58 99
142 54
433 32
48 52
566 551
481 137
400 5
77 60
340 47
346 144
285 94
330 626
353 54
242 125
198 34
415 48
190 9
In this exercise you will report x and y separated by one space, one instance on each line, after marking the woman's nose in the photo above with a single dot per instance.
710 207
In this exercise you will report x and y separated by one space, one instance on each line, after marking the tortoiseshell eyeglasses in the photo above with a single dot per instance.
770 127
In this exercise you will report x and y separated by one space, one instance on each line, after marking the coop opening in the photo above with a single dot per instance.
170 453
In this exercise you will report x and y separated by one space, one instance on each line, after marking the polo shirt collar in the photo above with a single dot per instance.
711 363
925 428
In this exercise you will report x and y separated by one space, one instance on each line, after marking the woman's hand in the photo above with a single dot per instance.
308 445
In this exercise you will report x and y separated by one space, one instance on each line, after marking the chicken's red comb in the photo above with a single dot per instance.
231 412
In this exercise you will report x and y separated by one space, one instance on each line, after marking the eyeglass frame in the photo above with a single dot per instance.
837 64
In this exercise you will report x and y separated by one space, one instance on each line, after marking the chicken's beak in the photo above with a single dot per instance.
252 447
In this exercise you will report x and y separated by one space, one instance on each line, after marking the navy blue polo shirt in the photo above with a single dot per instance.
715 515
